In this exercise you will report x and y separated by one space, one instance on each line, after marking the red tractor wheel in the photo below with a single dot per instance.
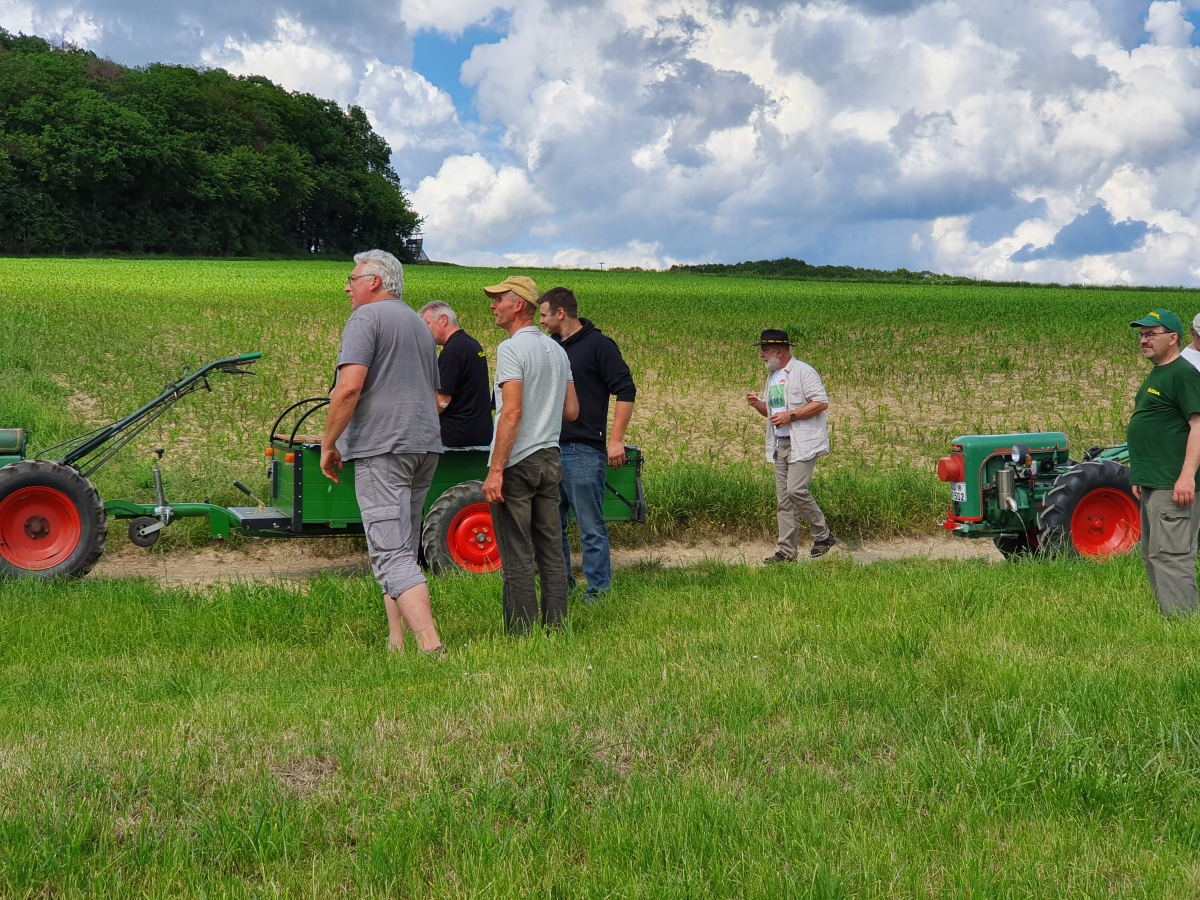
458 532
52 521
1091 511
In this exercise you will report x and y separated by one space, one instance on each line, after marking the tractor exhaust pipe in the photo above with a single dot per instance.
1006 484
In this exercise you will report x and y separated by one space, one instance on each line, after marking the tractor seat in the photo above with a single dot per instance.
300 438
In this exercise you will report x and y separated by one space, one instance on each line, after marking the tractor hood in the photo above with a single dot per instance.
983 453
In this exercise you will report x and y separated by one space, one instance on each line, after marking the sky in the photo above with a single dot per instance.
1042 140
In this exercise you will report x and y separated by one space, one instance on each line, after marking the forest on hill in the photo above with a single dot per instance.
100 158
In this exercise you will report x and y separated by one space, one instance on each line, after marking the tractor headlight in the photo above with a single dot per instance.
1019 453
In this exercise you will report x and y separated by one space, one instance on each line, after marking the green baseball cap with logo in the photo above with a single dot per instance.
1163 317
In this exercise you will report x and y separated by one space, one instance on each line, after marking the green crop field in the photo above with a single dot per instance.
907 368
827 731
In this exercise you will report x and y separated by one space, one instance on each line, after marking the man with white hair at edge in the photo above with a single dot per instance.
1192 351
383 415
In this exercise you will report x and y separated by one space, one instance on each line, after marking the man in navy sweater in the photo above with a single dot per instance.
599 373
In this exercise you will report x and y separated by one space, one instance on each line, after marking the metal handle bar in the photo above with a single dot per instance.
133 424
300 421
283 415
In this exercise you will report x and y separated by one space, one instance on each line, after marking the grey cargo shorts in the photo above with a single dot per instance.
391 489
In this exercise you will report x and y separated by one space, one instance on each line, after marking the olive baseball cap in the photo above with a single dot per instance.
523 287
1163 317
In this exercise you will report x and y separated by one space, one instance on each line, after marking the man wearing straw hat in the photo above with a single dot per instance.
797 436
534 396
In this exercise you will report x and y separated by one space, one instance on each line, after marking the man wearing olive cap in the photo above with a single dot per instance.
794 406
534 396
1164 454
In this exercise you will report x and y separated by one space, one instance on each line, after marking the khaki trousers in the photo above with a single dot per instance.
1169 551
794 501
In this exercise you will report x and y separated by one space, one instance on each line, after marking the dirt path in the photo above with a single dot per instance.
298 560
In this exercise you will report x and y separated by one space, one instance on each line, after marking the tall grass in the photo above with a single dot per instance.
907 367
741 498
897 730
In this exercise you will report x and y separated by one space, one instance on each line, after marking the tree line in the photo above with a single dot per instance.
96 157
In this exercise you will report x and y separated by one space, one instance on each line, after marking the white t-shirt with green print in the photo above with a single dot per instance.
777 399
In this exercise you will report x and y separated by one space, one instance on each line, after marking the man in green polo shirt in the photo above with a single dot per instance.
1164 453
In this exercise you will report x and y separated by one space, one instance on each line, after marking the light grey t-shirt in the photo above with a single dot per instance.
1192 356
542 367
397 411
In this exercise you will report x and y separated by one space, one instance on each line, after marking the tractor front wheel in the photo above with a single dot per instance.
1017 546
1091 511
458 532
52 521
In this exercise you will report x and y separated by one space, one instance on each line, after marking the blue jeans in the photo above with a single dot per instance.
582 492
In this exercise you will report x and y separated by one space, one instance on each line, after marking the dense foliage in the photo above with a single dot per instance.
787 267
99 158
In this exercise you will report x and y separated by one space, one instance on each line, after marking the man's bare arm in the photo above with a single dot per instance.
443 400
1185 488
570 404
616 439
507 425
808 411
343 400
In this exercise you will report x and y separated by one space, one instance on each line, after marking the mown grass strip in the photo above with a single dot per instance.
896 730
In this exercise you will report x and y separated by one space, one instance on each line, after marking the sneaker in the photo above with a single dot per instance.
820 548
592 597
777 558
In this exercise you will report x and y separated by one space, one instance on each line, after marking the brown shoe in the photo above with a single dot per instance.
777 558
820 548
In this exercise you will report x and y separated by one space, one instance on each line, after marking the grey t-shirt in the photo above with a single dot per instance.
542 367
397 411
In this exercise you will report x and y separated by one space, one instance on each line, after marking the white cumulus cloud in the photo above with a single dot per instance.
470 204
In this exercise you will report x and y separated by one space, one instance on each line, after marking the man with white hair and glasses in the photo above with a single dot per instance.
383 416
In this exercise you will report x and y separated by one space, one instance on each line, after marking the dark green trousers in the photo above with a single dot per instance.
1169 551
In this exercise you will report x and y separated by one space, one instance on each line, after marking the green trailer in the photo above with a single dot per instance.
53 522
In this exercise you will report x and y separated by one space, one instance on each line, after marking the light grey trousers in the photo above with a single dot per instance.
794 501
391 491
1169 537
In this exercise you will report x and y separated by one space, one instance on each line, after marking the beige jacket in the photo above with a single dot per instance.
810 437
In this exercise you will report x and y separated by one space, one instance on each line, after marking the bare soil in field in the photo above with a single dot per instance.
297 560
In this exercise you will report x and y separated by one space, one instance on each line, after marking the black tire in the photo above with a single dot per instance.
1017 546
1082 484
436 535
68 489
143 540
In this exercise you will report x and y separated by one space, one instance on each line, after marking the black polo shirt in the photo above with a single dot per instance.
463 371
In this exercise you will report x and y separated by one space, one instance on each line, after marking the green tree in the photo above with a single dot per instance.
100 158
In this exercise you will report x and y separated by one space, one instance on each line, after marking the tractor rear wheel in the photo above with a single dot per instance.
458 532
1017 545
1091 511
52 521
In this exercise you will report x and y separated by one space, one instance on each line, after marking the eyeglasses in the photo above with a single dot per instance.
1146 335
352 277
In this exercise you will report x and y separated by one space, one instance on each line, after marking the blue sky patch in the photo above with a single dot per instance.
1095 232
439 57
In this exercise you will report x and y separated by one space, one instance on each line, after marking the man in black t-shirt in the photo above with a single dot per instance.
464 398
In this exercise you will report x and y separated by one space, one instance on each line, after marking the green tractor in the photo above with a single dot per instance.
53 521
1026 493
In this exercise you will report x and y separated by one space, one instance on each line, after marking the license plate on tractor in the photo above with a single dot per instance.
958 491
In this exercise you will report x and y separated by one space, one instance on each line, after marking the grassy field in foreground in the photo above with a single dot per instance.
908 367
899 730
